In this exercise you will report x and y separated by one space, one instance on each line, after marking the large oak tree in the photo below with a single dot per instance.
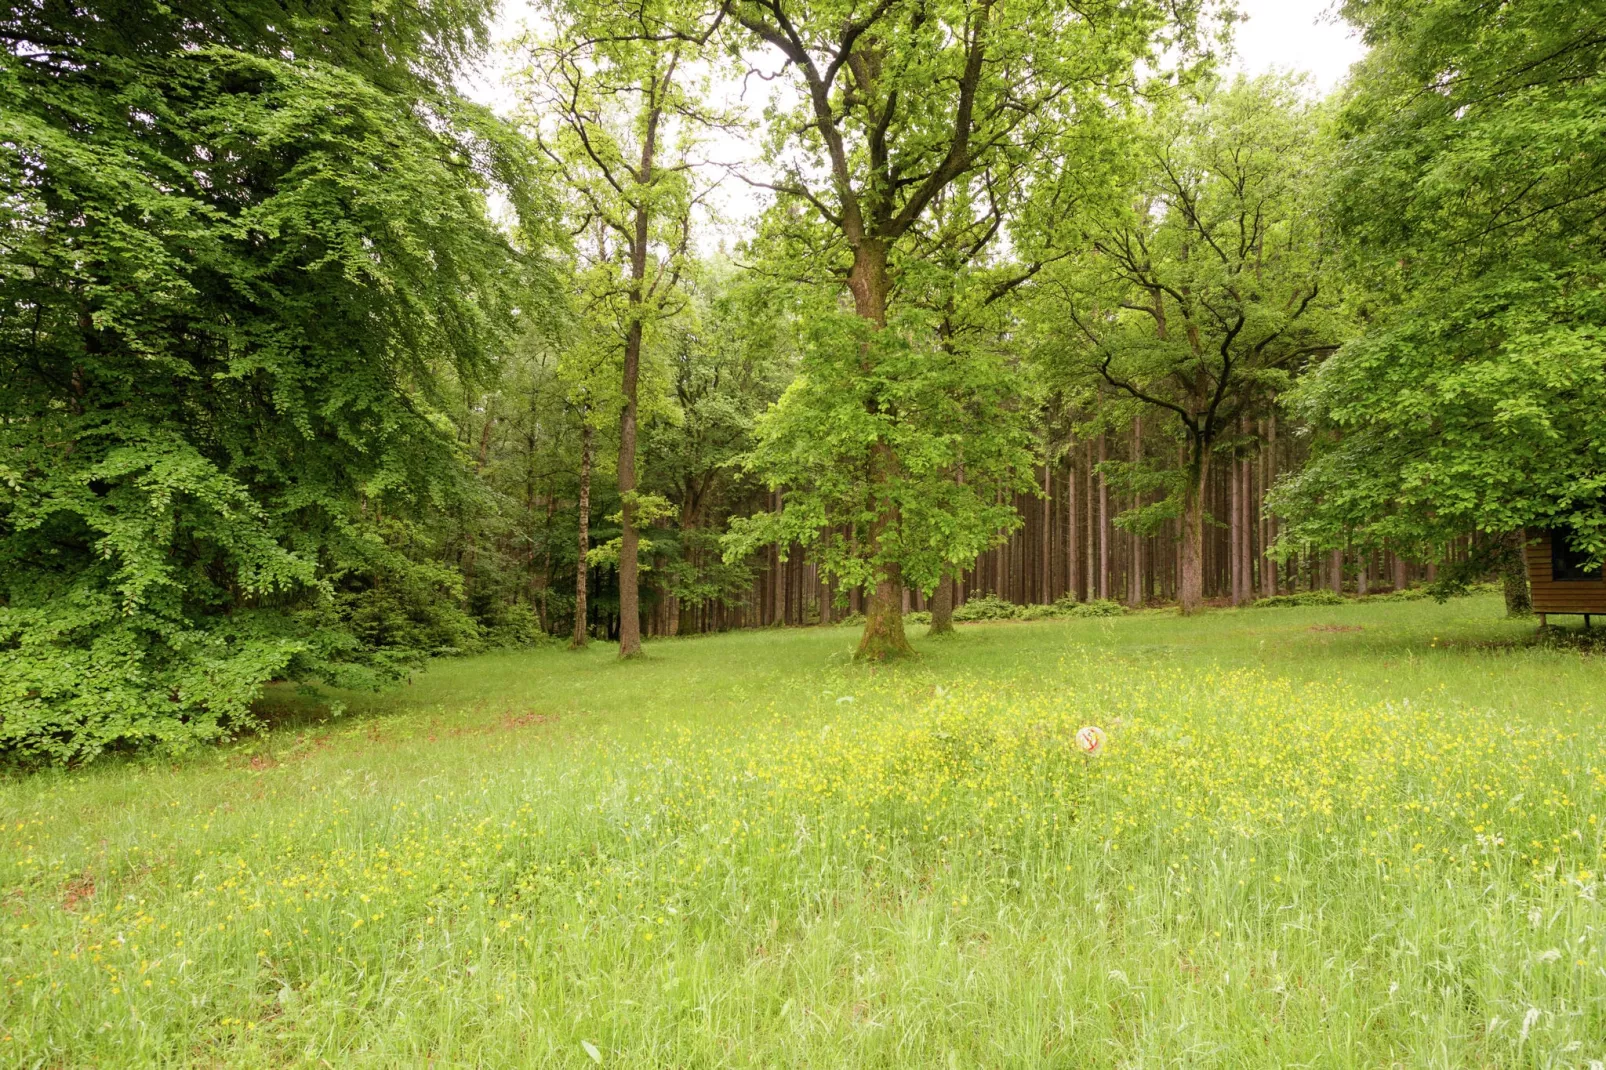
898 101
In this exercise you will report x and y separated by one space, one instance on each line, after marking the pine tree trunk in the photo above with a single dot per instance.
1045 585
1073 532
1235 531
1135 578
1104 523
582 570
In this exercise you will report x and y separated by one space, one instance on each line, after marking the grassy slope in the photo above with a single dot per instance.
714 857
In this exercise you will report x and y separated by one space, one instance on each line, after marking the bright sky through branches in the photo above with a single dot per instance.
1295 35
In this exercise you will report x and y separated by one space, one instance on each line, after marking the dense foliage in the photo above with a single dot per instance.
242 248
1469 196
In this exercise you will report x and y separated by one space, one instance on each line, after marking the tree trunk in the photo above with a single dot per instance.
629 539
1135 571
942 608
1337 566
1235 531
582 570
1190 596
1045 586
1246 529
1514 576
1104 523
883 636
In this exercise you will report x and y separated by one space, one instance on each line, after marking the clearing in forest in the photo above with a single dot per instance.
1346 835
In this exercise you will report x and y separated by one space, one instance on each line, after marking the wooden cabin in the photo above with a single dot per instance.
1559 580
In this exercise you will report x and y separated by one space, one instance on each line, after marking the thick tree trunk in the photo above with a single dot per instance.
582 570
942 608
883 636
1190 595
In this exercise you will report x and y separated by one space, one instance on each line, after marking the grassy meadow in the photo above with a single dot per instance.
1363 835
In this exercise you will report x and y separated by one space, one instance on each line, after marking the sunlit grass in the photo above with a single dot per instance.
1304 845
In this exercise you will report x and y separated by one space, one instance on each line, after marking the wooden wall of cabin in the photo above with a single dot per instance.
1563 596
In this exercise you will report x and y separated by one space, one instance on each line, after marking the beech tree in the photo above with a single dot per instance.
1470 200
899 101
1202 295
243 244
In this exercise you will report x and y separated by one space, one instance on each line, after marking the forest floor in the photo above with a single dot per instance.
1343 836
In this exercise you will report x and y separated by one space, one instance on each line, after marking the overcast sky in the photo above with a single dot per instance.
1298 35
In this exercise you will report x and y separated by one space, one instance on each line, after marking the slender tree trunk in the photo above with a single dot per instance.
1401 579
883 636
1104 522
1135 577
629 539
1073 533
1190 596
1268 566
1337 566
1246 528
1045 587
1235 531
582 570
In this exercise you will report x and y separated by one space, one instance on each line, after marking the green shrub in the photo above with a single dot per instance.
1098 607
987 607
919 616
1303 598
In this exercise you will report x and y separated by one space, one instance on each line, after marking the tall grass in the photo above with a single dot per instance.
1326 836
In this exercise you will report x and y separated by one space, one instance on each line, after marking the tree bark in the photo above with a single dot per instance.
1337 576
582 570
1073 532
1104 523
942 608
1235 530
1190 596
629 539
883 636
1514 576
1135 577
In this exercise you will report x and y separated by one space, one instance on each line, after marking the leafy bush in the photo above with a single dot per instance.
919 616
1303 598
1408 594
1098 607
987 607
